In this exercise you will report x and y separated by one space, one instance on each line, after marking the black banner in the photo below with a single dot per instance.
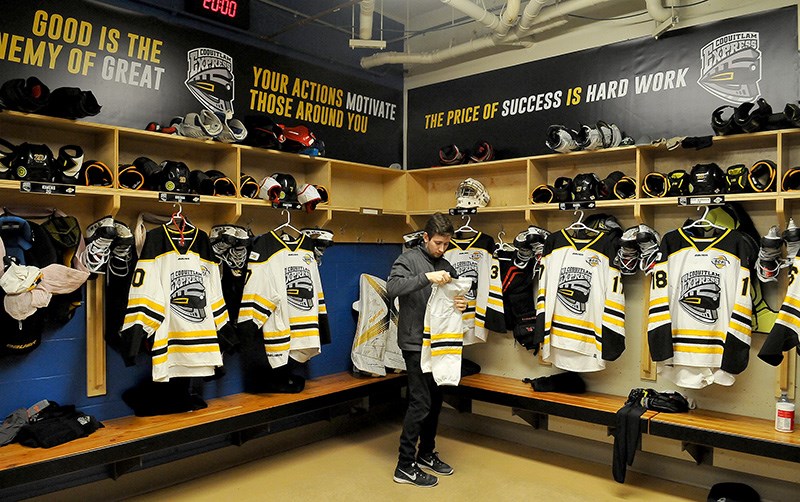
655 88
144 70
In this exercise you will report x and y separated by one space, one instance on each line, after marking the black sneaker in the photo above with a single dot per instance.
433 463
413 475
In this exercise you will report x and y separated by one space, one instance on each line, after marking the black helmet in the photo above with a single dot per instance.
585 186
288 187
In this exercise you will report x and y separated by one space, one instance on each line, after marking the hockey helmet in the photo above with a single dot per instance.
288 186
471 193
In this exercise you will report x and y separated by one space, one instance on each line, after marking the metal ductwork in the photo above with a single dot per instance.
366 9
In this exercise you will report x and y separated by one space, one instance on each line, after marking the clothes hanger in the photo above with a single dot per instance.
703 222
181 223
579 226
503 246
465 227
288 224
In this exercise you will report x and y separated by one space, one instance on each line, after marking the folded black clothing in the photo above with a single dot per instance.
570 383
150 398
55 425
697 142
469 367
71 103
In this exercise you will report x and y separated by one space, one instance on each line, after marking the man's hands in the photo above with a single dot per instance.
439 277
461 303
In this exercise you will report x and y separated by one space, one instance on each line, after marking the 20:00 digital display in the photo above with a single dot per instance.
231 12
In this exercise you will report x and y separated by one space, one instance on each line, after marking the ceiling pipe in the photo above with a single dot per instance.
439 56
657 11
552 13
499 25
536 22
530 13
366 9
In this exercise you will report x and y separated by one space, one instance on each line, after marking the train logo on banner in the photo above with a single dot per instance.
210 79
731 67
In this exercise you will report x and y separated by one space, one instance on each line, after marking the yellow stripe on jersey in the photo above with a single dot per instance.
615 305
576 336
446 336
251 313
699 349
699 333
496 289
443 352
660 317
277 348
219 303
792 301
654 302
742 310
156 307
302 319
613 320
577 322
496 302
253 297
302 333
138 317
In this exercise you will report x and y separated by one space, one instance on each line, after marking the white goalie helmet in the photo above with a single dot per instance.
471 193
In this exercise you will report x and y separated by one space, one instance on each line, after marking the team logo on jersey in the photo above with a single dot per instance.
476 256
307 259
299 288
720 262
210 79
574 284
468 269
188 295
699 295
593 260
730 67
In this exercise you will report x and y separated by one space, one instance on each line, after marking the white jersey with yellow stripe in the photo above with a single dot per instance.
580 306
784 333
375 342
175 305
700 313
443 334
283 297
473 258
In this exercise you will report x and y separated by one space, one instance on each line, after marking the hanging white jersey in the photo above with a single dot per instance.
580 307
175 305
700 308
283 297
783 336
375 343
472 257
443 335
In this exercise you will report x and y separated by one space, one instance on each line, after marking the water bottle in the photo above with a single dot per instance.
784 414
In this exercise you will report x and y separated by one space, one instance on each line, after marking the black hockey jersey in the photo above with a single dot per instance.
283 298
472 257
580 307
783 335
700 308
175 304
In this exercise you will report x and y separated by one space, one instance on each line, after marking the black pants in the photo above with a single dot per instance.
422 415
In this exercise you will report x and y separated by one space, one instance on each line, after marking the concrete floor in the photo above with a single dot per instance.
359 466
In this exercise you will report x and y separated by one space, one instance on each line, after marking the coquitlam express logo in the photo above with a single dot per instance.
731 67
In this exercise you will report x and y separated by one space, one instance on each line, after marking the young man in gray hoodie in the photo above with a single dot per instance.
410 280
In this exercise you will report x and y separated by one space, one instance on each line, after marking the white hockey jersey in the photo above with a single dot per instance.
443 335
175 305
700 308
283 297
375 343
580 307
472 257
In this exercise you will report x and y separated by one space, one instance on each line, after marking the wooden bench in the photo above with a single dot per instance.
698 430
534 407
701 430
121 444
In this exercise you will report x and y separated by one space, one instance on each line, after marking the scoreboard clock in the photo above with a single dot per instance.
231 12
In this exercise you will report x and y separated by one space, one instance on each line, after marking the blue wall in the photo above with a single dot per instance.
57 369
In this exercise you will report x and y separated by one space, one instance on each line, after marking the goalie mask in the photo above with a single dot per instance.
471 193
